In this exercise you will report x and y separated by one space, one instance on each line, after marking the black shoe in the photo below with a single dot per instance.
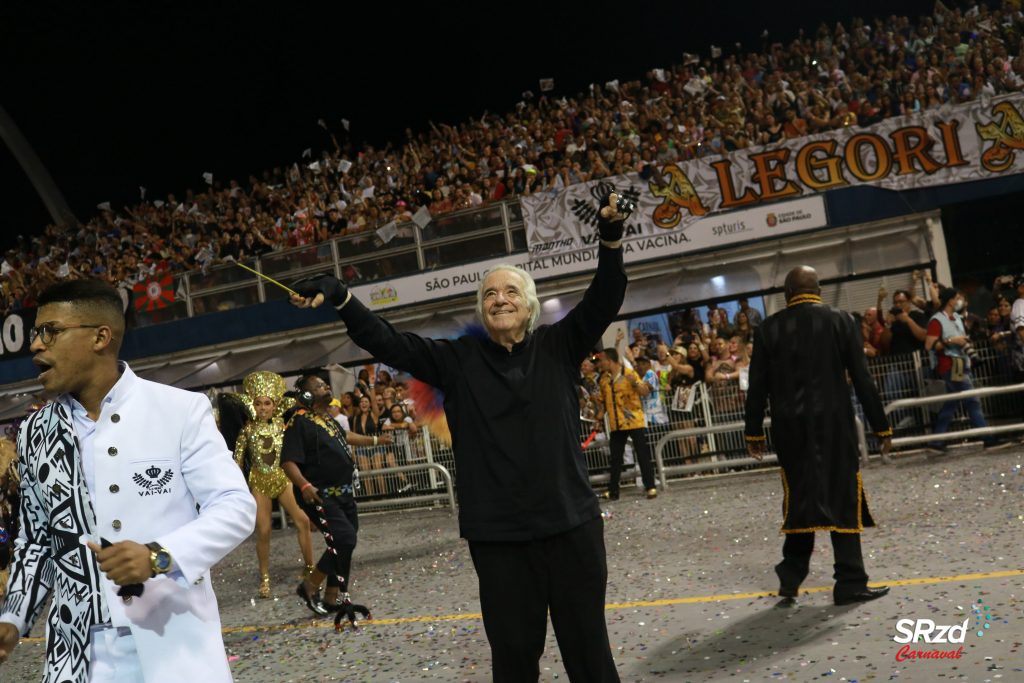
313 603
866 595
786 602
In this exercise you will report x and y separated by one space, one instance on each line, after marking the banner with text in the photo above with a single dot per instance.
14 333
951 144
774 220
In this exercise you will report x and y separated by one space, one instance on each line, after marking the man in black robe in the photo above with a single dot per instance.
801 359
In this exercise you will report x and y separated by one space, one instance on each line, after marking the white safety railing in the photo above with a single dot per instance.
414 499
664 472
956 396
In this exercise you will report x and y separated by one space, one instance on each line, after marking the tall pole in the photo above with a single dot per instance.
36 172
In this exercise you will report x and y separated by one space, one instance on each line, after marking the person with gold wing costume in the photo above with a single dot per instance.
258 446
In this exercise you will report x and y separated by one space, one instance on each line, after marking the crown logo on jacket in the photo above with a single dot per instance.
153 472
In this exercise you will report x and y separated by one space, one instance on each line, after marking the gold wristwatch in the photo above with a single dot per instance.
159 559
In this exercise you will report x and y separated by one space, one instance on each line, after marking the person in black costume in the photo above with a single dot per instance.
317 458
801 359
533 523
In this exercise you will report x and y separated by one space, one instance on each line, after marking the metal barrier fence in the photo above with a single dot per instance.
416 470
700 432
902 378
960 433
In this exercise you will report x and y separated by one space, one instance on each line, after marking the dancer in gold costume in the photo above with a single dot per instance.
260 441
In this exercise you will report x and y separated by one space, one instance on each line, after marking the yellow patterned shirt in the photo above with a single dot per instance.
622 402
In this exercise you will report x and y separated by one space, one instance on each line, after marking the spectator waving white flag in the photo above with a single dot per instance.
422 217
344 165
387 232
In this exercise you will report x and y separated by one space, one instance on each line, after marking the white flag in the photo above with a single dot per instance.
387 232
158 203
422 217
659 75
314 167
716 52
612 85
208 177
344 124
307 153
368 192
689 59
344 165
547 84
321 123
104 206
142 192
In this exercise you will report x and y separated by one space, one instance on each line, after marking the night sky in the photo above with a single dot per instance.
156 93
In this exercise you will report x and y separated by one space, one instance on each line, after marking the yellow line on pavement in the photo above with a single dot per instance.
922 581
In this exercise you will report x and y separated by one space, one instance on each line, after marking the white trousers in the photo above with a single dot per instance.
113 657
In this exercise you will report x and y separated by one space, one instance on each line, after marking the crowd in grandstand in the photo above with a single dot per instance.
845 75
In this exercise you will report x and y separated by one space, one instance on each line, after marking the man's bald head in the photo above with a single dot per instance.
802 280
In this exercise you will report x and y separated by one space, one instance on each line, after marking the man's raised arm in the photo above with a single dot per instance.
581 329
425 359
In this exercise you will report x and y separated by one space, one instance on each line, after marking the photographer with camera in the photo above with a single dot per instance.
951 358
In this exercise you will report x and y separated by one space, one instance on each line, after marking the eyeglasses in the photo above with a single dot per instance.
47 332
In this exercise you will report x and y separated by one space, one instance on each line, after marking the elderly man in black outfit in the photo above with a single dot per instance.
525 504
801 359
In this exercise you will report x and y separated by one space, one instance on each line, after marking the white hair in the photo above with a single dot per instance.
529 291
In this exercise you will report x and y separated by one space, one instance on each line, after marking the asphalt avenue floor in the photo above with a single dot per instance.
690 590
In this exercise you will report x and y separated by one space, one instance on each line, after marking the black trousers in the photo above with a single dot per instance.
521 582
338 521
617 446
850 575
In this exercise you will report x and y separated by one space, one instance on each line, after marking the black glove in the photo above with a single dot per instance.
333 289
611 229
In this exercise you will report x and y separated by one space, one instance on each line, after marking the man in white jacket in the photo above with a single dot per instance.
129 496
